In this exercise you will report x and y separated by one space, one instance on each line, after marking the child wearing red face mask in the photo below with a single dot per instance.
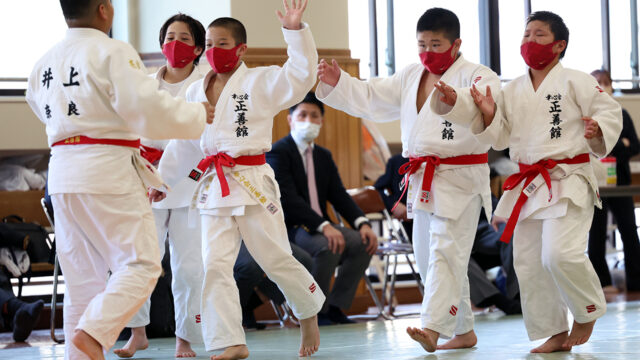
447 177
182 43
550 119
237 194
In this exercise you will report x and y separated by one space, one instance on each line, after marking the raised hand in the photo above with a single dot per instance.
211 110
329 74
496 221
591 128
485 103
449 95
292 18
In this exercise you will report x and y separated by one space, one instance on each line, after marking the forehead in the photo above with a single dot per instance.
178 27
217 32
429 36
307 107
538 25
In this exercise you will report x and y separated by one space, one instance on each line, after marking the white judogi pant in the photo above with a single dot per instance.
555 273
96 233
442 248
185 246
265 236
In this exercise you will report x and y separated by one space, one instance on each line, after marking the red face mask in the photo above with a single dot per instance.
222 60
437 63
178 53
538 56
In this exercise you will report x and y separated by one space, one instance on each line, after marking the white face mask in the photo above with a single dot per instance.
305 131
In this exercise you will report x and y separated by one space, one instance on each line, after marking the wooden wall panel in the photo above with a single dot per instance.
341 133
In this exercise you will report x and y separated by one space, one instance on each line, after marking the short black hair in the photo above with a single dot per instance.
440 20
598 72
310 98
79 9
556 24
238 31
195 28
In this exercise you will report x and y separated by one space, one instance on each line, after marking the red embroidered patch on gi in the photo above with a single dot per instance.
599 88
198 319
453 311
312 288
195 174
475 81
591 308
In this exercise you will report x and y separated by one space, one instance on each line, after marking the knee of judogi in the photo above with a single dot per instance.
557 258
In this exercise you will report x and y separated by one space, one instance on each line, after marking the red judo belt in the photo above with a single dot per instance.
150 153
222 159
432 162
85 140
527 174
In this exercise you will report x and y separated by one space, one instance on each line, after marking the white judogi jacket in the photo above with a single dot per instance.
243 124
547 124
423 133
179 156
89 84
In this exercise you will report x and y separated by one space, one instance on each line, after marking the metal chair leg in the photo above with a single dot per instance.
281 316
376 300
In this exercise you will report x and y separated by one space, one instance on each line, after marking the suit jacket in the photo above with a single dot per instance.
391 180
286 161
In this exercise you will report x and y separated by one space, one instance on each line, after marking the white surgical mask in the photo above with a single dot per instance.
305 131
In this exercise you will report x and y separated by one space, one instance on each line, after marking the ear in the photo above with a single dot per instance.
103 12
456 47
198 50
241 50
560 46
290 121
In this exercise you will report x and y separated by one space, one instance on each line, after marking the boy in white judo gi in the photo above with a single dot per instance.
550 119
94 96
182 43
448 175
238 197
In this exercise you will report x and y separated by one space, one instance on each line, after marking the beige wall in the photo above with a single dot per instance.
21 129
326 18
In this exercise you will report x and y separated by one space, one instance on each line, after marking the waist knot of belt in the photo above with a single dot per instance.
224 160
432 162
527 174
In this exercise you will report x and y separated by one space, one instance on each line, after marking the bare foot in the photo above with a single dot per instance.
580 333
309 336
137 341
463 341
427 338
88 345
553 344
233 353
183 348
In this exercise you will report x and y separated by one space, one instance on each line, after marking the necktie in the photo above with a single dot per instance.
311 181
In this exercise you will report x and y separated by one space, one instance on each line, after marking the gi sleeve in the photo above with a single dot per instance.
149 112
286 86
601 107
378 99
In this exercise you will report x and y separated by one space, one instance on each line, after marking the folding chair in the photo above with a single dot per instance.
395 244
56 270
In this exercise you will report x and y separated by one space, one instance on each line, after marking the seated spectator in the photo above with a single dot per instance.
622 208
250 276
388 185
308 178
17 315
488 252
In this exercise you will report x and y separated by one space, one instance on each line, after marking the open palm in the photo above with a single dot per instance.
485 103
292 18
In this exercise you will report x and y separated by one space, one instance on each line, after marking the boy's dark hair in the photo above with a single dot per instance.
310 98
79 9
556 24
238 31
595 73
440 20
195 28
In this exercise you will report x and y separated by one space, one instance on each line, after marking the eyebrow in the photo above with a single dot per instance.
182 33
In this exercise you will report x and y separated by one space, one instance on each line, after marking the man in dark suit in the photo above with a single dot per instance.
308 178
